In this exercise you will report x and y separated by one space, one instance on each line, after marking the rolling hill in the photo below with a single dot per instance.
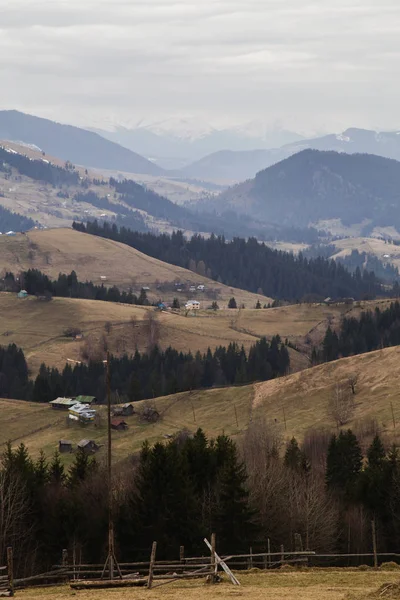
291 405
72 143
313 188
55 251
39 328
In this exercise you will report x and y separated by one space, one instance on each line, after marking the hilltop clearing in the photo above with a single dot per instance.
290 405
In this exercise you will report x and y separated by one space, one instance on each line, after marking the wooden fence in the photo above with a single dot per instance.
6 577
159 572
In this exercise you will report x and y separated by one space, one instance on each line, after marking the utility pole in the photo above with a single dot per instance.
111 560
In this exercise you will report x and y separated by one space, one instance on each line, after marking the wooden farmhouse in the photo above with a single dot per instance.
62 403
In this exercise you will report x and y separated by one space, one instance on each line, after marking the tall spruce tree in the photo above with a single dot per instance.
343 463
233 517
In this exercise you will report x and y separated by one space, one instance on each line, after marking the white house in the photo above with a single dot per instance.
192 305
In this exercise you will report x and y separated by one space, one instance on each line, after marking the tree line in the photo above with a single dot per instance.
41 170
247 264
68 286
325 490
371 331
144 375
11 221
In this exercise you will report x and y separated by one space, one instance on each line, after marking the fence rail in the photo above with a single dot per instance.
185 567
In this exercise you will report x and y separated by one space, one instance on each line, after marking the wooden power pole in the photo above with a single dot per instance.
111 560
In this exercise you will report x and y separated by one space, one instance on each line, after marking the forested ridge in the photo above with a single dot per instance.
247 264
144 375
37 283
41 170
11 221
371 331
312 185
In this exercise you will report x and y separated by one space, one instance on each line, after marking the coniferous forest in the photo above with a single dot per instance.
247 264
144 375
67 286
373 330
327 490
11 221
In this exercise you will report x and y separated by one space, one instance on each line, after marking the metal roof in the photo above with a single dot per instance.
64 401
84 443
85 399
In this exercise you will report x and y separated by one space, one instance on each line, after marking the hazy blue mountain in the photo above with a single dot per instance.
315 185
72 143
237 166
176 149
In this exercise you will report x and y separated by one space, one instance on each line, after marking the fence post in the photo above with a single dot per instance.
151 566
282 554
182 554
374 543
10 569
64 559
269 551
213 561
298 542
251 557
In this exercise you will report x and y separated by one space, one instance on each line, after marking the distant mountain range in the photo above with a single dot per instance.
314 186
77 145
237 166
174 146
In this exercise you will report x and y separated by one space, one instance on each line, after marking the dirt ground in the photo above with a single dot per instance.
308 585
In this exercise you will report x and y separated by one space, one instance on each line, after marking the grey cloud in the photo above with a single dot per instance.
82 58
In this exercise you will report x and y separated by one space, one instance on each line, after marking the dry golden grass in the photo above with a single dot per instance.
55 251
38 328
304 396
41 427
301 398
307 585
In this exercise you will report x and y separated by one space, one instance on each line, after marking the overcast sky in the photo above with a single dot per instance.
322 64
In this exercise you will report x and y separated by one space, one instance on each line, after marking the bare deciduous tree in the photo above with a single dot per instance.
14 509
353 380
341 405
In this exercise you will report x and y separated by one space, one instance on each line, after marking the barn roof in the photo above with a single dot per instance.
117 422
85 399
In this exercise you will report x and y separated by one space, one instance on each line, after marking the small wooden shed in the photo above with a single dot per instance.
64 446
119 424
88 446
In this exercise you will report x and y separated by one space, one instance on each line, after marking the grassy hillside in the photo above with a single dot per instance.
61 250
387 253
301 399
39 327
